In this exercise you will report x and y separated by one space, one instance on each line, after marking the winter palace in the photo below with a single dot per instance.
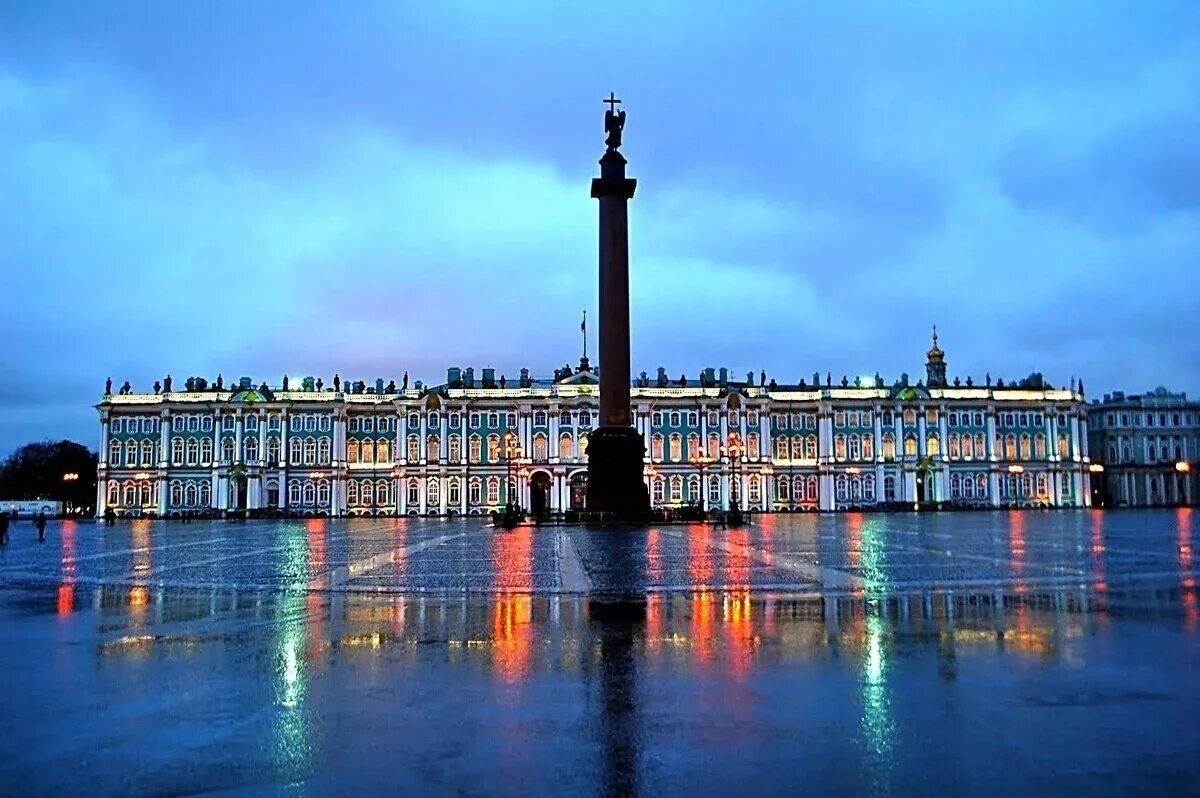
469 445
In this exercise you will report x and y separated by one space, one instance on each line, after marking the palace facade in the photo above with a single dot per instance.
1148 444
468 445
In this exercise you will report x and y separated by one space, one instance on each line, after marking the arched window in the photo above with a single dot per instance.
810 447
932 446
910 445
368 451
114 492
310 451
273 450
781 448
414 492
968 486
674 418
839 447
853 449
432 448
367 493
955 482
294 455
693 445
352 495
656 490
1010 447
783 488
539 418
493 448
383 451
176 493
585 418
414 448
540 447
189 495
868 447
251 449
1039 446
968 447
869 488
814 489
981 485
856 489
228 445
147 453
294 492
1042 488
131 453
454 491
676 488
1064 446
564 418
752 445
145 494
910 417
493 419
980 446
889 447
841 487
955 450
474 490
797 447
754 489
177 451
323 492
798 489
714 490
566 449
205 497
676 447
889 488
352 454
493 490
693 488
310 492
714 445
251 423
455 448
1026 449
656 448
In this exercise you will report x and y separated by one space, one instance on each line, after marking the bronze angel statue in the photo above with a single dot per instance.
614 123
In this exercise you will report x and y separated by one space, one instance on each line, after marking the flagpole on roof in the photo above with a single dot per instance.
583 330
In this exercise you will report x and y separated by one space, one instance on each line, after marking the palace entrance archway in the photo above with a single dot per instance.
539 494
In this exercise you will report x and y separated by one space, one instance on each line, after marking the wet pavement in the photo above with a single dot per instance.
969 653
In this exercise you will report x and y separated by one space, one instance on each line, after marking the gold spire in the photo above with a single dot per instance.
935 354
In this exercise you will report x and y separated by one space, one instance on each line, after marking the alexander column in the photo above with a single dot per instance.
615 449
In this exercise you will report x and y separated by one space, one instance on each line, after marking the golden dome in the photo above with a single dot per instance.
935 354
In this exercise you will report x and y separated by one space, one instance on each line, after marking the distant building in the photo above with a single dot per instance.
470 444
1148 446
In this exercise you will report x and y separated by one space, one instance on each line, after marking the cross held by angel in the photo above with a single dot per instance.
614 122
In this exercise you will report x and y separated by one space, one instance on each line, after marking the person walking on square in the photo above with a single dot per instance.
3 528
40 523
110 515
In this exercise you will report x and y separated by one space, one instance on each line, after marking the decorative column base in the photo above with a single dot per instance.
615 483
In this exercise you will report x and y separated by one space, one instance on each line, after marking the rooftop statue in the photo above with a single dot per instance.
614 123
108 387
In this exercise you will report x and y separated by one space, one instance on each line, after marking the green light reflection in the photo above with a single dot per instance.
877 727
292 731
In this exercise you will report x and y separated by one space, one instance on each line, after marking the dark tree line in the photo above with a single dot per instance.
44 471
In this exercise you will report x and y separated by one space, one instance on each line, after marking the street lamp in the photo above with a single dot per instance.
1183 467
702 461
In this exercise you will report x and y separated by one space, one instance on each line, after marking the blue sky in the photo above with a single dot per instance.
261 188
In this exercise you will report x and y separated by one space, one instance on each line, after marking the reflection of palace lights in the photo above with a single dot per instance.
1016 469
1095 468
1183 466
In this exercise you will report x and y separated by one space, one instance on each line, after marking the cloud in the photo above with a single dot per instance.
196 189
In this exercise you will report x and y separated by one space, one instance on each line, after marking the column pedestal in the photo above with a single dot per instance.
615 483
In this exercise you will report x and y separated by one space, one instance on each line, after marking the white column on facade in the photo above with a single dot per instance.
943 437
1083 439
644 418
443 437
990 418
1076 453
284 429
552 443
421 490
877 444
263 423
164 440
704 430
921 432
724 428
1051 433
400 453
764 433
217 456
443 496
425 451
402 493
238 432
993 487
160 494
464 449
